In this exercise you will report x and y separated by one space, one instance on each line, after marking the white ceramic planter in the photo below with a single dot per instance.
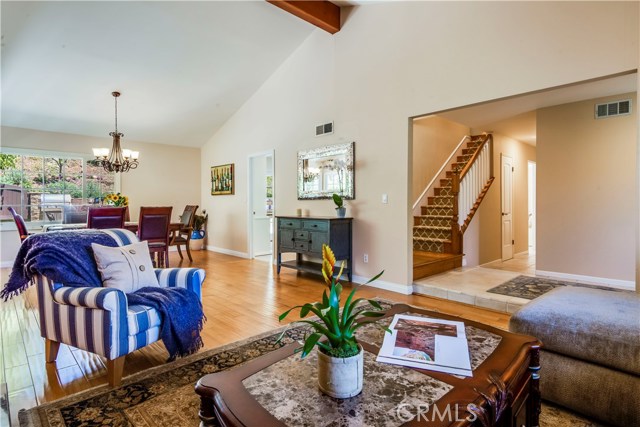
340 377
341 212
196 244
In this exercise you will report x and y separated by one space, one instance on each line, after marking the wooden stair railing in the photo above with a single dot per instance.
473 181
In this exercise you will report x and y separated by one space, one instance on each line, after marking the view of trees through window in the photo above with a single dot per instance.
43 188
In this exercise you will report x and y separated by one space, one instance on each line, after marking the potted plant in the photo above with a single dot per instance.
198 234
340 209
118 200
340 357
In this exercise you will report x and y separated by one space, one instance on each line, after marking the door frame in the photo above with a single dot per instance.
502 214
532 172
250 190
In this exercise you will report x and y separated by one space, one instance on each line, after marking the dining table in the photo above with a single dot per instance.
129 225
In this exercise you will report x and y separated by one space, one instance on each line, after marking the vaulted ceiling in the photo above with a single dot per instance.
183 68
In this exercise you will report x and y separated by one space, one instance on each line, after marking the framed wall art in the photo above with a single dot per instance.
222 181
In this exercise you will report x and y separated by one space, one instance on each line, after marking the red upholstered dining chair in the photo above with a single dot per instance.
153 226
106 217
182 236
20 224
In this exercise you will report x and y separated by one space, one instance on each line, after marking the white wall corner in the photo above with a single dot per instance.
227 251
590 280
387 286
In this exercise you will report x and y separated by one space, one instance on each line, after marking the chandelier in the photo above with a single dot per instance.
116 160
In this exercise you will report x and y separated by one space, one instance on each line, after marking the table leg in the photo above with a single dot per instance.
279 262
207 413
533 411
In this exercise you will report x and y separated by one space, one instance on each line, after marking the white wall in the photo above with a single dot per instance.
392 61
434 138
585 191
167 175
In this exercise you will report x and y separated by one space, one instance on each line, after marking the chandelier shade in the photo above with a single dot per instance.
116 160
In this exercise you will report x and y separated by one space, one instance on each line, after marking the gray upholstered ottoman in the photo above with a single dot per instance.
591 350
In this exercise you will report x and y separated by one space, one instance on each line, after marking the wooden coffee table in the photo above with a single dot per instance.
279 389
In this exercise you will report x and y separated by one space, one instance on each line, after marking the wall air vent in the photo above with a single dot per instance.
324 129
612 109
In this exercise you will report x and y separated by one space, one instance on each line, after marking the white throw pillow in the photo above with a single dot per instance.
127 268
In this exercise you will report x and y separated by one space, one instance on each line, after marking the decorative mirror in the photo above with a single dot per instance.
325 171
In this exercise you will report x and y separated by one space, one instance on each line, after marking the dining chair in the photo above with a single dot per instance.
153 226
20 224
106 217
182 236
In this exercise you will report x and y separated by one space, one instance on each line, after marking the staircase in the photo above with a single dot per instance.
438 229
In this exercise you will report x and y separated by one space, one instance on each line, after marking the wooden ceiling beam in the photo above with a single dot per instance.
322 14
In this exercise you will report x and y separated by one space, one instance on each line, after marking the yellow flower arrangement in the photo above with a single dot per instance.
116 199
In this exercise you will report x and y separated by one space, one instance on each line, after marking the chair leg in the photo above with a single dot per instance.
189 251
115 368
180 252
51 350
166 258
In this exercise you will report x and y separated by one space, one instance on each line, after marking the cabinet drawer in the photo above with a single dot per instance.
301 234
290 223
315 225
301 246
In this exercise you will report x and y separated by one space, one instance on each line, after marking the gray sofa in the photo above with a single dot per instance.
590 360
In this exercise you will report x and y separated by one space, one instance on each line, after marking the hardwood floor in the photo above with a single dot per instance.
241 298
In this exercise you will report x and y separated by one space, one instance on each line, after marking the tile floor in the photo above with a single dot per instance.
469 285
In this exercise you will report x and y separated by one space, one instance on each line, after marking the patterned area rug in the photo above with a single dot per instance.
165 396
528 287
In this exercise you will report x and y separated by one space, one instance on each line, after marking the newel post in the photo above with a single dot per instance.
456 233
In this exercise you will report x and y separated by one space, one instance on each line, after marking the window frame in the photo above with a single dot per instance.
10 225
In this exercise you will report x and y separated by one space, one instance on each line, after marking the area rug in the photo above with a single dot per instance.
529 287
165 396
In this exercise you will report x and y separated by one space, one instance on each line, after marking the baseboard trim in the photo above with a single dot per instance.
387 286
490 262
590 280
227 251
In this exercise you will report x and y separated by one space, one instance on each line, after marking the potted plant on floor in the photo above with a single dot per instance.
199 231
340 357
340 209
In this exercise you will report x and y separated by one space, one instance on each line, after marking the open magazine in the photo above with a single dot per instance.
426 343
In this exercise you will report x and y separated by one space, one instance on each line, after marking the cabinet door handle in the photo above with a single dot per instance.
315 225
309 241
290 223
293 239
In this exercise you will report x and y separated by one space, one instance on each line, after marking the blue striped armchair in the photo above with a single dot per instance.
100 321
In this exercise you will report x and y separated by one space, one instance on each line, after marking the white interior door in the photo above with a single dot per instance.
261 200
531 184
507 207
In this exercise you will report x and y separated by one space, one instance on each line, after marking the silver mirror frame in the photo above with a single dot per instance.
348 149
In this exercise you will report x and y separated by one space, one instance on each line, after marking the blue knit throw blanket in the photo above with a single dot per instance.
63 256
182 316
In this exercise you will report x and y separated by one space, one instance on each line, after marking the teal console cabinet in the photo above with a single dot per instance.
305 236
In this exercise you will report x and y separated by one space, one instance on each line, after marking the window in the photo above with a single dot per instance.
48 187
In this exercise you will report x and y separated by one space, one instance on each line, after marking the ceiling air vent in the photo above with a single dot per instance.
324 129
611 109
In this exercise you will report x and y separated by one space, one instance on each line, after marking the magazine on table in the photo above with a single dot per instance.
427 343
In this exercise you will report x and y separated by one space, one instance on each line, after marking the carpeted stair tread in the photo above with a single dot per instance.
431 239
